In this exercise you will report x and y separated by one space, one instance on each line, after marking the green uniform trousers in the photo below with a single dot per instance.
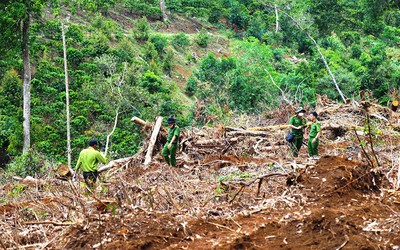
296 145
169 154
313 147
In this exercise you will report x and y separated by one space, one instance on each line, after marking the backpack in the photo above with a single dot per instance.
290 137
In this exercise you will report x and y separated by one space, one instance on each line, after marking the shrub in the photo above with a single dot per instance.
168 61
203 38
142 31
239 16
191 86
215 15
153 83
31 163
160 42
180 41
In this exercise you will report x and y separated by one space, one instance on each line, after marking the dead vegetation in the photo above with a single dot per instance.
237 187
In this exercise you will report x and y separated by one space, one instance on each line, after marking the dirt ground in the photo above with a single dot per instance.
337 204
221 196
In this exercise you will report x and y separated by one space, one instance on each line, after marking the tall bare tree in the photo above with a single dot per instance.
66 95
163 10
26 82
15 22
321 55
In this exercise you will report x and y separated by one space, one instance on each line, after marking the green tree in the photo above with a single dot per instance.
15 22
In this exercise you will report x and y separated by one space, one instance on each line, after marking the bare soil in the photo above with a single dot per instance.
263 199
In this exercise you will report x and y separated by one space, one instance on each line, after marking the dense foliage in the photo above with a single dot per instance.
121 62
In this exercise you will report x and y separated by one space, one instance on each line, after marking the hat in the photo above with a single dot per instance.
92 142
299 109
171 120
315 114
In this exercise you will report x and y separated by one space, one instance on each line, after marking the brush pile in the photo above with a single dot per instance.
235 186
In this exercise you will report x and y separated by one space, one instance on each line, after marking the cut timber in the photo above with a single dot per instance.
394 105
63 170
112 164
153 140
146 125
139 121
211 142
268 128
30 181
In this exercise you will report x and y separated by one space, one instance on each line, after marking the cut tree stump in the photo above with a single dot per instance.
153 139
394 105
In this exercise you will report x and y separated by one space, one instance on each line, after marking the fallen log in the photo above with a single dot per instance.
214 142
146 125
114 163
30 181
247 133
269 128
139 121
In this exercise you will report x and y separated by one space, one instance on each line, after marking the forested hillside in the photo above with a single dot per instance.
233 73
204 62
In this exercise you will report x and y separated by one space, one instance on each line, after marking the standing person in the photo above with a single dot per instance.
314 134
297 124
88 160
170 148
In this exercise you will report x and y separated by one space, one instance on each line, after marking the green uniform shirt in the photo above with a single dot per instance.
171 132
296 121
314 129
89 159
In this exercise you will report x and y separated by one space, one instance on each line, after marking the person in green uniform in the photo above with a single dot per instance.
170 148
88 160
314 134
297 123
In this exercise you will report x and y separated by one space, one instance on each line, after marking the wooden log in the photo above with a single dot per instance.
114 163
210 142
153 140
269 128
247 133
30 181
63 170
394 105
139 121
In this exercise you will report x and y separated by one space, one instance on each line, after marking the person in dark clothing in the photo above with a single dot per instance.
297 124
171 147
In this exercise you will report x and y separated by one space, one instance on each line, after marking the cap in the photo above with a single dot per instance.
171 120
299 109
315 114
92 142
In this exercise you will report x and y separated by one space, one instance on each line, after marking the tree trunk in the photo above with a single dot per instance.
153 139
322 56
327 68
277 26
163 10
26 84
112 131
67 97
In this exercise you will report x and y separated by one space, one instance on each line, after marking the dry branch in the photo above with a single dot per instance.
48 222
